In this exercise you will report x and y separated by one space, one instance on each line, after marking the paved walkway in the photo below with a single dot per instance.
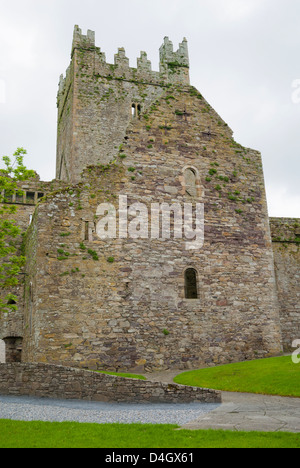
245 412
248 412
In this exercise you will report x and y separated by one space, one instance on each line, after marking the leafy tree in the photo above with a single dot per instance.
11 261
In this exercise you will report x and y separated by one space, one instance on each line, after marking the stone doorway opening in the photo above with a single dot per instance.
13 349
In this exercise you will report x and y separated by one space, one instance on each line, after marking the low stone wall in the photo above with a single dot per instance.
50 381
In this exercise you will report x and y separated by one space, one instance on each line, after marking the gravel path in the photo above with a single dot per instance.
35 409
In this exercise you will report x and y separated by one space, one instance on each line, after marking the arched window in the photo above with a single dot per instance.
190 179
136 110
190 284
133 111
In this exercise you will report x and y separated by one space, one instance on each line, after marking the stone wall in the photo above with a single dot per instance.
286 246
29 194
48 381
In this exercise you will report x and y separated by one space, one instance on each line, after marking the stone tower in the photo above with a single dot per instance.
96 100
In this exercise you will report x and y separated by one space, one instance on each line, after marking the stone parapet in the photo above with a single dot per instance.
285 230
173 66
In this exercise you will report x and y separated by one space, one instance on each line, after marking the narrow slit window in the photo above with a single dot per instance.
190 284
86 230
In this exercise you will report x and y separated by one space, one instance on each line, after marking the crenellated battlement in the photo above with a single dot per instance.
169 58
173 67
83 41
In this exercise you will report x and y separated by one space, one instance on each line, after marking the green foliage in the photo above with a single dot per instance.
195 92
174 66
93 254
212 172
15 169
11 260
165 127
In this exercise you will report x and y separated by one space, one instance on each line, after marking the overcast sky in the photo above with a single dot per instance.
244 56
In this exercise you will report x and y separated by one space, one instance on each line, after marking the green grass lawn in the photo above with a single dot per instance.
273 376
16 434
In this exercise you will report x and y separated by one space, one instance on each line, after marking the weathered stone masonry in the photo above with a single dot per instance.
48 381
25 199
121 304
286 246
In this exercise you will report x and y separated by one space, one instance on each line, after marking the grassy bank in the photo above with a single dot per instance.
273 376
